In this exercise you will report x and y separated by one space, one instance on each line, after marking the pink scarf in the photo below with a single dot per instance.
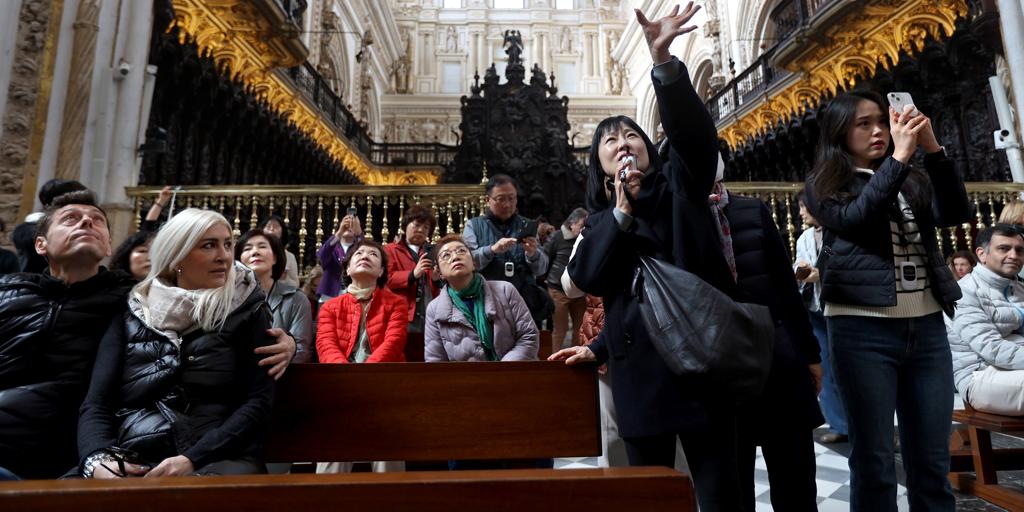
718 200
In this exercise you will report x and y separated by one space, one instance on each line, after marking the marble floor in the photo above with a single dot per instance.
833 477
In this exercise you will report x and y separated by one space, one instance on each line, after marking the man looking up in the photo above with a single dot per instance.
50 326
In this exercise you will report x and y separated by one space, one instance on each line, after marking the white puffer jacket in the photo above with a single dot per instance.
987 327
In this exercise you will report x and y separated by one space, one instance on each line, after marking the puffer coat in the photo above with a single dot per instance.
988 326
337 330
449 336
49 332
207 399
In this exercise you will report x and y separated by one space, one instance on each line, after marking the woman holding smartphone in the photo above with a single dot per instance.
885 286
642 206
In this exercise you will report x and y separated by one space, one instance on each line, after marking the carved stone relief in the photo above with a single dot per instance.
16 129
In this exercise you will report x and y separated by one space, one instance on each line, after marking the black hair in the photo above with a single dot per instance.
500 179
419 213
57 187
83 197
285 238
122 258
596 199
383 279
834 167
276 247
984 237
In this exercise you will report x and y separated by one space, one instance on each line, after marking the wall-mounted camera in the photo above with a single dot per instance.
123 68
1003 140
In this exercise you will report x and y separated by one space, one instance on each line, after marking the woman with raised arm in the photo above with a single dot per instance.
659 209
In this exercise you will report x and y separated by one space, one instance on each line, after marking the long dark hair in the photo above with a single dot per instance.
121 259
596 199
834 167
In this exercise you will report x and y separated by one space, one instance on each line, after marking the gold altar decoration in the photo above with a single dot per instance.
850 47
250 41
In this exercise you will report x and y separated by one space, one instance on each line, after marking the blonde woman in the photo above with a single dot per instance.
177 388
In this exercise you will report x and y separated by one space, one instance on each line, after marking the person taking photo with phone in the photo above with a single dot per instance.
885 286
505 250
334 251
411 271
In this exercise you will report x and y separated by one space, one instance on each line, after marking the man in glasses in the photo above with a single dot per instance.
504 249
986 334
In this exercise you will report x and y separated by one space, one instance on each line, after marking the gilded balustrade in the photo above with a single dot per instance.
311 214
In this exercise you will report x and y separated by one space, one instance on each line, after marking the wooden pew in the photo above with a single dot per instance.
412 412
971 451
593 490
435 411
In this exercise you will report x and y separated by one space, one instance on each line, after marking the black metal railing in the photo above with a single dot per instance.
403 153
747 87
788 17
318 91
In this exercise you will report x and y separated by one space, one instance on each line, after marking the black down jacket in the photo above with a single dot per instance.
207 400
764 276
857 266
49 332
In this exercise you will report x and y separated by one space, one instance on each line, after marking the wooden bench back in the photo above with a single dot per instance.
593 490
435 411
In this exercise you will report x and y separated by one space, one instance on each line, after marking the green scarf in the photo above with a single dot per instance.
477 317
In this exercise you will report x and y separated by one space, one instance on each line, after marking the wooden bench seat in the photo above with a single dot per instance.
971 451
411 412
593 490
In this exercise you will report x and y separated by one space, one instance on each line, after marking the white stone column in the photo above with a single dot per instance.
131 50
1011 21
588 54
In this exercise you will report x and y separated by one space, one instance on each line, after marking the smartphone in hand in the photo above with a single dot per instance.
529 230
899 100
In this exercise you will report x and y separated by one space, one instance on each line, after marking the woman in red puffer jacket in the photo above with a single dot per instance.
367 324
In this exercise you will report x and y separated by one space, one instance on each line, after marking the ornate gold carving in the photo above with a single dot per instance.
245 45
853 46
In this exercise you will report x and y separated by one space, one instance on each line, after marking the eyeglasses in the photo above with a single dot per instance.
447 256
503 199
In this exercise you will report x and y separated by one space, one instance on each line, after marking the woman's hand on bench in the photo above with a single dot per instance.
574 355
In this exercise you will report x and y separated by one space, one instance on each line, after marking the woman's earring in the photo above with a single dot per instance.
178 270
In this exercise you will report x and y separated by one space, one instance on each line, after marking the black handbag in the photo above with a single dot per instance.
697 329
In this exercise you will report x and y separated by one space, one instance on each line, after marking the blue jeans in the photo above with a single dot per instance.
904 365
831 403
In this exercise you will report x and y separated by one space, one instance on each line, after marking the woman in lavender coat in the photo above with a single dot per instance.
473 319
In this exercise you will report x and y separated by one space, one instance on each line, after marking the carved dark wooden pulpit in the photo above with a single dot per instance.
521 130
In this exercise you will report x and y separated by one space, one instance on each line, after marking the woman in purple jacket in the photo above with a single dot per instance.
473 319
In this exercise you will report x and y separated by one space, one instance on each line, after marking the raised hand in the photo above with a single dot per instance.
661 32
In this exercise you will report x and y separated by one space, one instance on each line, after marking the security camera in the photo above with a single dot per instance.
123 68
1002 139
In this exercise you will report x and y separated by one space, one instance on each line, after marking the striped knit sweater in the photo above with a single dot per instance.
907 246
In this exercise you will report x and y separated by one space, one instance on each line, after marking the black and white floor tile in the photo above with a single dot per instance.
833 477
